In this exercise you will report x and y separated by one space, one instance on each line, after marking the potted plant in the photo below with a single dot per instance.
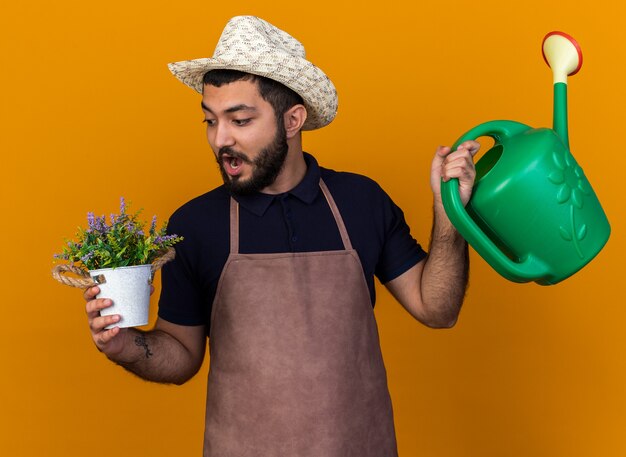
120 257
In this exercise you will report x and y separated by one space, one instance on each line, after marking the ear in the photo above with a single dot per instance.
294 119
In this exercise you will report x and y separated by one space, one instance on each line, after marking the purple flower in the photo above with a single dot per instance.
91 221
86 257
165 239
153 225
122 206
100 225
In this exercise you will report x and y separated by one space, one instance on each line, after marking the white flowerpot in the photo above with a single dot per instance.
129 289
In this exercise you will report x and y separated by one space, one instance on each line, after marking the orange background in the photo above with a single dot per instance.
90 113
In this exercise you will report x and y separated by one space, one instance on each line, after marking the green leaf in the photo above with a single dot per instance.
559 160
557 177
564 193
565 234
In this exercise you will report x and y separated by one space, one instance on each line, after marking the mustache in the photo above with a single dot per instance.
227 150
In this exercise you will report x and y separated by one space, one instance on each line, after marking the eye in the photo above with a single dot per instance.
241 122
209 122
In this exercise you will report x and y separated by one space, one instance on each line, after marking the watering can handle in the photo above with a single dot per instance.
494 129
527 269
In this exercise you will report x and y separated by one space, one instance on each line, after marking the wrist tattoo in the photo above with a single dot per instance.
141 342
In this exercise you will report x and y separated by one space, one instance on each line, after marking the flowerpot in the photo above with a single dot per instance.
129 289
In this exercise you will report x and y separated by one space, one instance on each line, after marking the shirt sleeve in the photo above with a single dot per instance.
180 301
400 250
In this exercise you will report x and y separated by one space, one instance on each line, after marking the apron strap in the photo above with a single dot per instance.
337 215
234 221
234 226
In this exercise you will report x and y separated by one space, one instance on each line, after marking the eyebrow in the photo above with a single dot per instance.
232 109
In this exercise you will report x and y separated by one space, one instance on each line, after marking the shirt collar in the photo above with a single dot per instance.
306 190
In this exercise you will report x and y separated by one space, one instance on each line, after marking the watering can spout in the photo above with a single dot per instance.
559 120
563 55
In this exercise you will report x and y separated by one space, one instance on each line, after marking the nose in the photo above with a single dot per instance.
222 136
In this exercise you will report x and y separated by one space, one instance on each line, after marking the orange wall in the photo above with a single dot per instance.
90 112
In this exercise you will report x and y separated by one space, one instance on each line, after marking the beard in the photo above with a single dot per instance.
265 168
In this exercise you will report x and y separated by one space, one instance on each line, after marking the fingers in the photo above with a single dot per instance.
443 151
444 154
471 146
460 163
103 338
100 334
96 321
440 155
98 324
93 307
91 293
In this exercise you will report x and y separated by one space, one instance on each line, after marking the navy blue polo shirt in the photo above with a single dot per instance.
297 221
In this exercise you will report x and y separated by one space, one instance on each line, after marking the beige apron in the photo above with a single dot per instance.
296 368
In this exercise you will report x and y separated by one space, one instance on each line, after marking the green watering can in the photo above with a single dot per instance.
533 215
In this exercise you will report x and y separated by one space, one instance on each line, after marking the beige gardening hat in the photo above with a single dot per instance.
252 45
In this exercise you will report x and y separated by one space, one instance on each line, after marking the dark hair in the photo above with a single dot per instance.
276 94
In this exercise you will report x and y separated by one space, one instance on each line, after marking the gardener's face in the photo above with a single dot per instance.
249 144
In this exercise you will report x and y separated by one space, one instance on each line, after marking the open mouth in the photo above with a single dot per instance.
233 162
232 165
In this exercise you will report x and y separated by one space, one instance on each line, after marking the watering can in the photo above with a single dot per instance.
533 215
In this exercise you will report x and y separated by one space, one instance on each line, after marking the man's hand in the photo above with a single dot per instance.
458 164
111 341
168 353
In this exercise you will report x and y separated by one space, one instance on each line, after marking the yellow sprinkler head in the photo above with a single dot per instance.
562 54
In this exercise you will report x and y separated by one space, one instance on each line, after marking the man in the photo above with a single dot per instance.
277 267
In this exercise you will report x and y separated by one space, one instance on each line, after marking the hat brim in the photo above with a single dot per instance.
300 75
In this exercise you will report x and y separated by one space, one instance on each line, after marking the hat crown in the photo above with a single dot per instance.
253 35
